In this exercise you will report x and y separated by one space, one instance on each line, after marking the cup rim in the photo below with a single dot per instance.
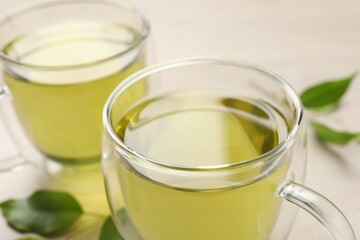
122 148
36 4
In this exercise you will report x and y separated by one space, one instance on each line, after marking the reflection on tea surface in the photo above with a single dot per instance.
200 128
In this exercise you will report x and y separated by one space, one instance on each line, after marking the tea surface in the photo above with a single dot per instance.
200 128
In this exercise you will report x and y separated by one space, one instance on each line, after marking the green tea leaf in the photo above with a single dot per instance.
45 212
327 134
326 93
109 231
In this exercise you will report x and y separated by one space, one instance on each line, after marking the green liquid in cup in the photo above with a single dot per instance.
60 108
201 128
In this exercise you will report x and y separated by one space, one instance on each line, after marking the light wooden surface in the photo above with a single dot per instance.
302 40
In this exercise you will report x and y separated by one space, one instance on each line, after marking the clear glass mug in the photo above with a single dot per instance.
60 61
211 151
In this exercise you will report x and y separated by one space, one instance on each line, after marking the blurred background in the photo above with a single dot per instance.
303 41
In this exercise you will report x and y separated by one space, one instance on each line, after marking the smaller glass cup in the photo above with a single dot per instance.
155 193
60 61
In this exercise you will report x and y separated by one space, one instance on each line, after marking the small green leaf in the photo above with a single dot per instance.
326 93
109 231
45 212
327 134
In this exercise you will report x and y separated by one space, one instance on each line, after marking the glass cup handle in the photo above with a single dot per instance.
4 91
320 207
15 160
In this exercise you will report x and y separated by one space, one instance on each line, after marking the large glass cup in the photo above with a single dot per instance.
60 61
211 151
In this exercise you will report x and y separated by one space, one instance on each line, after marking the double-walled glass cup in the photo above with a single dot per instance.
60 61
211 151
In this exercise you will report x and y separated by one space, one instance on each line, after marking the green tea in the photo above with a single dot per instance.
60 105
201 128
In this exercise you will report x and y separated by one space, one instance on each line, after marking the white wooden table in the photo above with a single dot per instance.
304 41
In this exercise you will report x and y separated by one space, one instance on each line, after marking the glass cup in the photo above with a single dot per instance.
60 61
211 151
